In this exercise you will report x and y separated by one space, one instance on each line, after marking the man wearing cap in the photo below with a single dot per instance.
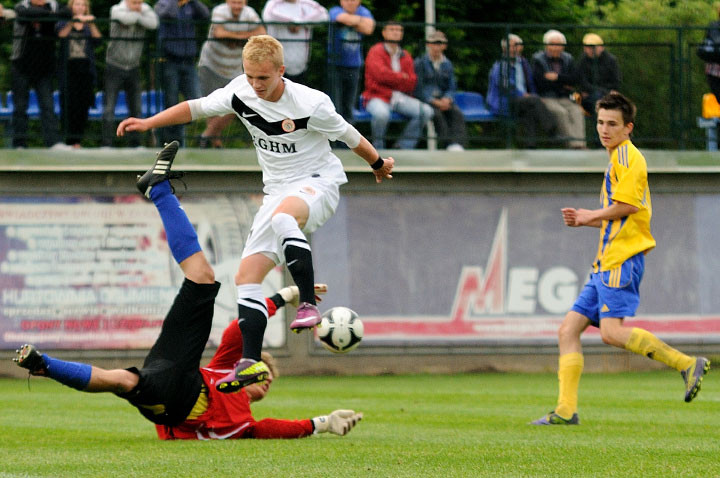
598 72
436 86
511 92
555 78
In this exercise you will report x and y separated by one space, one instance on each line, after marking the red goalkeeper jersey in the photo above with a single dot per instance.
228 415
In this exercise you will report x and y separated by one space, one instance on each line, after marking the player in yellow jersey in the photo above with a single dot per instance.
612 291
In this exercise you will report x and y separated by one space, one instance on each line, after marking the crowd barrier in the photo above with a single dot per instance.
660 73
471 104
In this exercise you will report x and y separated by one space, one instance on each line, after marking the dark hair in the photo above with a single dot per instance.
616 101
390 23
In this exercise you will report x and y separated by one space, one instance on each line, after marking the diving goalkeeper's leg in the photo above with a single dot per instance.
80 376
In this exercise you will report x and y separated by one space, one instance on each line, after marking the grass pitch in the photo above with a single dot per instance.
632 424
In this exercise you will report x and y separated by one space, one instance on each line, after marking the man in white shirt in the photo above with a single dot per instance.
130 21
291 126
233 22
295 38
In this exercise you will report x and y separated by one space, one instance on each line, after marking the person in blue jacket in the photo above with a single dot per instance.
436 85
512 92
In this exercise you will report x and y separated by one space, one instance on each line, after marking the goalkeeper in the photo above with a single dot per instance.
171 390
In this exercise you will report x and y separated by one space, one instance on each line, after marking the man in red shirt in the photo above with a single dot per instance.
389 84
171 390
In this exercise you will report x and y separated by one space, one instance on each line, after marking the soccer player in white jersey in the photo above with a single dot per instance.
291 126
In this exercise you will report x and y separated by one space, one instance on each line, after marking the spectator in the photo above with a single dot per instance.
6 14
555 78
78 74
177 44
349 23
712 69
512 92
295 37
233 22
33 65
436 86
130 20
389 81
598 72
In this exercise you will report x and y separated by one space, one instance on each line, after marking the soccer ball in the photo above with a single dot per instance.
340 330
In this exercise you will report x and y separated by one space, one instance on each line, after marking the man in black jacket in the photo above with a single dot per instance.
555 78
598 72
33 66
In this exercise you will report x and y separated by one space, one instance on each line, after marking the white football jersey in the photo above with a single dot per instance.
290 135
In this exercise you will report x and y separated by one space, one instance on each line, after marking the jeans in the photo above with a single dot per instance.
21 84
179 76
344 89
117 79
416 110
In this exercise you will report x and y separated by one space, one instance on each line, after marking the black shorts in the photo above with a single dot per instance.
170 379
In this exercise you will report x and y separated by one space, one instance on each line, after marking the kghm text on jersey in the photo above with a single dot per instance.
274 146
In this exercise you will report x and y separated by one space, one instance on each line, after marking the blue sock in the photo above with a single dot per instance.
72 374
181 235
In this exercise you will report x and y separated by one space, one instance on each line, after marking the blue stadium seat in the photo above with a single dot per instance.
6 107
144 104
56 102
360 114
33 109
152 102
95 111
473 106
121 108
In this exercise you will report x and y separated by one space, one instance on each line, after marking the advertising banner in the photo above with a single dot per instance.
504 269
97 273
81 272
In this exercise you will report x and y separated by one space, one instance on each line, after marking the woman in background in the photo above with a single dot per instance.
78 74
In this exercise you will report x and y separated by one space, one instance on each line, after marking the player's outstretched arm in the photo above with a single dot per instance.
177 114
382 167
339 422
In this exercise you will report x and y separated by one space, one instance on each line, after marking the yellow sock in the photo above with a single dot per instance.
570 367
645 343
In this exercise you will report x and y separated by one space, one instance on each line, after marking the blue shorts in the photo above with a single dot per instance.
614 293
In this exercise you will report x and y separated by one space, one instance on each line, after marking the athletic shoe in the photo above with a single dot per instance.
160 170
553 418
28 357
246 373
693 376
308 316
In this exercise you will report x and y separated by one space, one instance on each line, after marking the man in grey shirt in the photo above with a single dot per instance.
131 19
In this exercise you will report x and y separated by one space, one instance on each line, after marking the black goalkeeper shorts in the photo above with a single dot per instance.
170 379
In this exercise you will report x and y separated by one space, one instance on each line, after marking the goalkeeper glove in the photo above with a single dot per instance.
291 294
339 422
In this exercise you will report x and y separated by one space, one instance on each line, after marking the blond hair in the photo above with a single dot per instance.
262 48
87 6
270 362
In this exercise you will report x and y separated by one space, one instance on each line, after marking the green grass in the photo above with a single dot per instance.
633 424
